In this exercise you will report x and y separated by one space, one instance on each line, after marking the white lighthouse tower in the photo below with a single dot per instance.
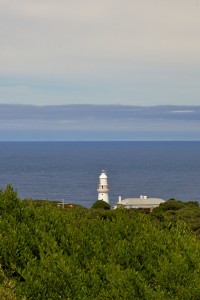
103 187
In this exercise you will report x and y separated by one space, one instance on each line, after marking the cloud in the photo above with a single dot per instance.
75 37
183 111
99 117
99 122
121 51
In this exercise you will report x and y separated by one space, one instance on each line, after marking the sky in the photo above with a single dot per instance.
113 52
99 122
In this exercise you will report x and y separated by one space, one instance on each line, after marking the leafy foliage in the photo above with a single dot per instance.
101 204
7 287
48 252
175 210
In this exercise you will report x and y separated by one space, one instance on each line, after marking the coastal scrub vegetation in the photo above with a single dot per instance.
47 252
101 204
174 211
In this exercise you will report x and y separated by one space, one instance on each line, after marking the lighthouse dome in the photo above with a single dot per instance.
103 175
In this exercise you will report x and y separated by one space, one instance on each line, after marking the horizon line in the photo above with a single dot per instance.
95 141
89 104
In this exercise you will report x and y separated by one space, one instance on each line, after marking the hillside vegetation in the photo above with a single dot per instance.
50 253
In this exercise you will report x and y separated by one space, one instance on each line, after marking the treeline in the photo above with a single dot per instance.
174 210
50 253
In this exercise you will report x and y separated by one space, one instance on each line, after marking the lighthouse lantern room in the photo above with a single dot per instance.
103 188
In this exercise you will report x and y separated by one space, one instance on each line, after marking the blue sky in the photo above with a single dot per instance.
117 52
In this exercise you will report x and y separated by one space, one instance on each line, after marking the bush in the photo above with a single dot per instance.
48 253
101 204
170 205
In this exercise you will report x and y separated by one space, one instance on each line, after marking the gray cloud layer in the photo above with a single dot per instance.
99 122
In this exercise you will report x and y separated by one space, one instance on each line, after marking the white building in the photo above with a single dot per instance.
141 202
103 188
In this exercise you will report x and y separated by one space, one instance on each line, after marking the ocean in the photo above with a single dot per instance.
70 171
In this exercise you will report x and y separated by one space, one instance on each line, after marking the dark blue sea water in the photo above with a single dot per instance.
70 170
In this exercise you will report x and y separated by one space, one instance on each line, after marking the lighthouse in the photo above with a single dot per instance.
103 187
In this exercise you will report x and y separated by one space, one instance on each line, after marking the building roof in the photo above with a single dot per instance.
141 202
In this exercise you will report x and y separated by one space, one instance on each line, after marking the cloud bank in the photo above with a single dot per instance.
99 122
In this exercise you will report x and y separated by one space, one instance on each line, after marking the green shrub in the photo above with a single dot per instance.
101 204
48 253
